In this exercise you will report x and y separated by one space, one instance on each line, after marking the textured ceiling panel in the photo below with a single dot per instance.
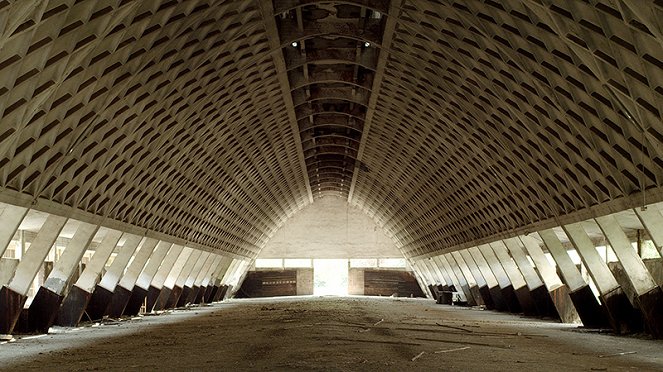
448 122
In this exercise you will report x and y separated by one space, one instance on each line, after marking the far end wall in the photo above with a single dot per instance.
330 228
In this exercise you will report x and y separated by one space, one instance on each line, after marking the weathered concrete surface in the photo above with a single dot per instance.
330 228
73 307
316 333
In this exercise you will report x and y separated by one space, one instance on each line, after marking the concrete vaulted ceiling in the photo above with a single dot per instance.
449 122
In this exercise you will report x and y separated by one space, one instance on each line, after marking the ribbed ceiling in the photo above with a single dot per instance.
448 122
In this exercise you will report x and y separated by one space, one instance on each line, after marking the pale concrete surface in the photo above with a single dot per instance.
330 228
333 334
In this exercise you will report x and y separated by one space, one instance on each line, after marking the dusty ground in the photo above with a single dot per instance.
335 334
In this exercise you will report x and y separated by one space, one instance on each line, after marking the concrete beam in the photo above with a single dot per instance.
14 295
491 281
558 291
520 288
142 285
187 288
11 217
78 297
591 312
469 278
47 301
652 220
464 286
539 292
482 286
649 294
178 285
156 286
619 309
507 289
122 292
103 292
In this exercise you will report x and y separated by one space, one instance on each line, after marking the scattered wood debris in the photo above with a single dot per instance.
618 354
452 350
418 356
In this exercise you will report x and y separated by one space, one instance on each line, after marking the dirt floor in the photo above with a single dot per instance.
332 334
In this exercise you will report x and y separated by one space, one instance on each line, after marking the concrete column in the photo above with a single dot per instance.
469 278
169 283
482 286
508 293
178 286
191 278
140 289
445 275
11 218
438 274
227 279
619 309
205 288
160 277
45 305
652 220
537 289
211 284
558 291
429 283
516 278
649 295
123 290
103 292
591 313
225 264
453 267
79 295
491 281
195 289
14 295
440 285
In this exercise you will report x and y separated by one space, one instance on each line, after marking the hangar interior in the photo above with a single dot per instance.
496 156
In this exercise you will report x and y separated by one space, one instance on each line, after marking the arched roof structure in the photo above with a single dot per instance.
449 122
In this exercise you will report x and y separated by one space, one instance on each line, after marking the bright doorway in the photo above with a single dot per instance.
330 277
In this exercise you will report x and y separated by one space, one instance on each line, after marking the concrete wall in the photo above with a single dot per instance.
330 228
655 266
304 282
356 281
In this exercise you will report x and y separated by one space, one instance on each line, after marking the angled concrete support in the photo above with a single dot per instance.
205 286
542 300
484 291
429 280
123 290
187 287
446 268
649 295
558 291
142 285
508 293
178 284
195 296
516 278
156 286
212 285
44 307
11 218
441 280
103 292
74 304
620 311
652 220
169 283
14 294
491 281
437 262
469 278
225 264
591 313
464 285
